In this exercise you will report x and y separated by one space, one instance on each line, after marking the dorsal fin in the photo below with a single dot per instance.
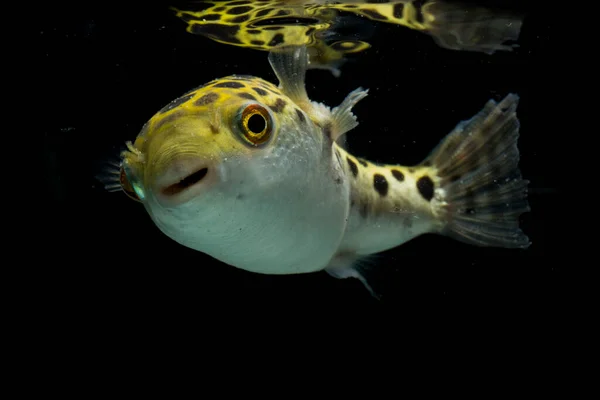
290 64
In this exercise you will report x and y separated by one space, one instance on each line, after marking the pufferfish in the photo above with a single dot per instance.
256 176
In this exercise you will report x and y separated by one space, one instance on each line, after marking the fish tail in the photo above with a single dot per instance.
480 192
471 28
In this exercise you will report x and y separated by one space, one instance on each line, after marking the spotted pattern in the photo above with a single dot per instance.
398 175
207 99
260 91
258 25
214 93
426 187
380 184
255 22
167 120
247 96
265 25
231 85
279 105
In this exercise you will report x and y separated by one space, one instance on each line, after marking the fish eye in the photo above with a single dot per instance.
256 124
127 187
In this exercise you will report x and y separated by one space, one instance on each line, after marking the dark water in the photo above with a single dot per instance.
108 68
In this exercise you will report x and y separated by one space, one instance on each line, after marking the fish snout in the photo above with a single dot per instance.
184 179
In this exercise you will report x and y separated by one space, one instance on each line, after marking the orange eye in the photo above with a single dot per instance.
126 186
256 124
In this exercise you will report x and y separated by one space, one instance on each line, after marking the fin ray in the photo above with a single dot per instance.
352 266
290 64
482 193
343 118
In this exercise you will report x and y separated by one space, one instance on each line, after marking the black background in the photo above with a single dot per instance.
108 68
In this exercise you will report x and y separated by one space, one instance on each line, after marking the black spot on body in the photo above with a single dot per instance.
240 19
398 175
282 13
247 96
278 106
238 10
257 42
211 17
240 3
219 9
218 31
380 184
206 99
427 164
300 115
353 166
362 162
374 14
232 85
264 12
175 103
260 91
425 186
253 31
274 28
277 40
398 10
338 180
168 119
418 4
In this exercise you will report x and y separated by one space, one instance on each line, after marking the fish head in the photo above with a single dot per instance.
238 171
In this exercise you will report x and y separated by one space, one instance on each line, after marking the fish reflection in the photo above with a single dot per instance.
269 24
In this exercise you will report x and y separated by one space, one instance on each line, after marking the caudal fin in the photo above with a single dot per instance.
482 192
471 28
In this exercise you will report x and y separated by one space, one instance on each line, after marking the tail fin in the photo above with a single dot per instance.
465 27
483 193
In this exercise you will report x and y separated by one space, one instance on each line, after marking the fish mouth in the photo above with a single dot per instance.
183 180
